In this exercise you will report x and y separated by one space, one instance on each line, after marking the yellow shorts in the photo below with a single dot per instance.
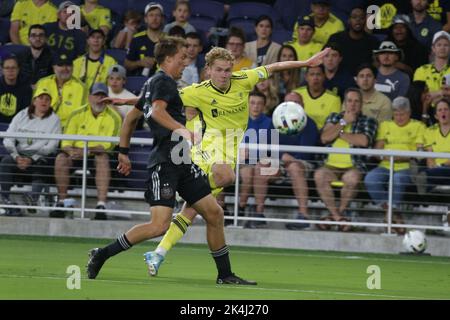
207 156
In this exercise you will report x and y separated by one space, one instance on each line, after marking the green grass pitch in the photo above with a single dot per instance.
35 268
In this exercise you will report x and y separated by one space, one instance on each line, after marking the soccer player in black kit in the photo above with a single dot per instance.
162 108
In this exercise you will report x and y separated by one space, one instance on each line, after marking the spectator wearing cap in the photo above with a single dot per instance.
235 44
337 79
96 16
356 44
95 118
192 72
140 58
63 40
375 104
93 66
117 78
304 44
181 14
29 156
402 134
390 80
423 26
36 62
434 72
15 91
263 50
415 54
67 92
326 23
27 13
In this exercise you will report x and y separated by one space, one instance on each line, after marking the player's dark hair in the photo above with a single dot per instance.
168 47
257 93
36 26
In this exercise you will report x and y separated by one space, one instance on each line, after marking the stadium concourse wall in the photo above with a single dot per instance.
270 238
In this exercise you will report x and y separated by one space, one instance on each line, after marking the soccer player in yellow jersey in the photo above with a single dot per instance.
401 133
437 139
221 104
98 17
29 12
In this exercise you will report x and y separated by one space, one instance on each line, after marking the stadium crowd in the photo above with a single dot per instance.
384 84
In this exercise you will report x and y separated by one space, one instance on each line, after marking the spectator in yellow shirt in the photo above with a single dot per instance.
325 22
305 46
27 13
93 66
97 16
94 119
67 92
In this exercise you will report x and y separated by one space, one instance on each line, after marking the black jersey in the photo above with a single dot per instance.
161 87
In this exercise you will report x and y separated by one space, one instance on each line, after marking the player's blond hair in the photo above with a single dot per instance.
217 53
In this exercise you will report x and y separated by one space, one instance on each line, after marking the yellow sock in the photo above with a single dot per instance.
177 229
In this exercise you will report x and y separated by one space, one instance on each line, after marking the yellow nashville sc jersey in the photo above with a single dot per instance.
70 97
305 51
321 107
27 13
322 33
403 138
341 161
431 76
223 115
99 17
438 142
83 122
90 71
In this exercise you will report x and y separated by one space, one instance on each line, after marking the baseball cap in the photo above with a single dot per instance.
62 60
117 69
325 2
99 87
100 31
306 21
401 19
153 5
40 91
441 34
65 4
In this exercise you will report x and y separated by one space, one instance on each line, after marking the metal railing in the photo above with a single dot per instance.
390 154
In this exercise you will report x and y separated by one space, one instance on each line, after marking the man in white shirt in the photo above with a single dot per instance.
117 76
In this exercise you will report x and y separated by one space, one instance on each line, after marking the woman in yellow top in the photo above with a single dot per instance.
401 133
437 139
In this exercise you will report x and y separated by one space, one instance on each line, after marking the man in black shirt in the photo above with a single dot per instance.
36 63
169 170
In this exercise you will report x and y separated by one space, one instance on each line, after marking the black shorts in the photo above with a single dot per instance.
166 178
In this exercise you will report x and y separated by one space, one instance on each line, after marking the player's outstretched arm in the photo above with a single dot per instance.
315 60
129 124
120 101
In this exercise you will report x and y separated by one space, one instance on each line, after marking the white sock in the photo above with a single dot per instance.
161 251
101 203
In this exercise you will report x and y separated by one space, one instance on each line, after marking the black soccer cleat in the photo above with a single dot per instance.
234 279
94 264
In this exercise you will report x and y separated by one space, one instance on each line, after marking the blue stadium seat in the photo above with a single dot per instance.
202 24
118 54
281 35
248 25
250 11
4 30
342 8
207 8
134 84
288 11
15 49
139 157
58 2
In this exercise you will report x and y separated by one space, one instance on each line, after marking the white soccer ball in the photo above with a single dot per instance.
415 241
289 118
